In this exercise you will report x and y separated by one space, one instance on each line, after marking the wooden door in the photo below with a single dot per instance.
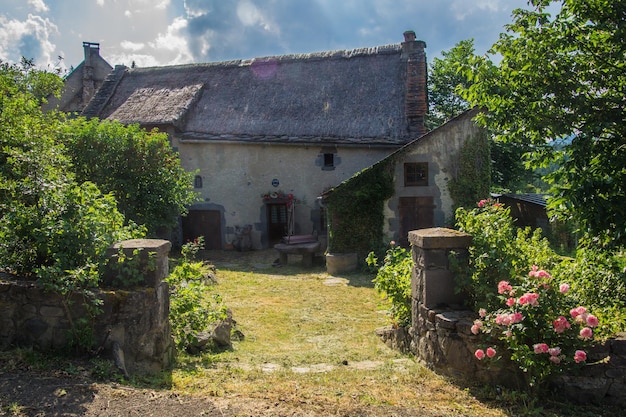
277 222
207 223
415 213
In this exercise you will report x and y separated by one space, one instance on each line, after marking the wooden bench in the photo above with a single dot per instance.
306 249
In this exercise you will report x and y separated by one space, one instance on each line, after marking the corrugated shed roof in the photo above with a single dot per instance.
355 96
538 199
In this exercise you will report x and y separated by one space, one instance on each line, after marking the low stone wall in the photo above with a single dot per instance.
440 334
134 325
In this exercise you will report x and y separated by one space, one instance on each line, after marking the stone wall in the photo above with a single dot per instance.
440 334
133 327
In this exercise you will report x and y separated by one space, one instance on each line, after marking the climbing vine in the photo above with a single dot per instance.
472 180
356 210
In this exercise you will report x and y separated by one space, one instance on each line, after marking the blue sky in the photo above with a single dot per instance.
164 32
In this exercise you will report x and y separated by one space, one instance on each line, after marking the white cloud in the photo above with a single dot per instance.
100 3
174 40
194 8
38 5
250 15
163 4
29 38
132 46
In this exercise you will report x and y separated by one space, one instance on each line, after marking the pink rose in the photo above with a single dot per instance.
555 351
482 312
529 298
540 348
580 356
564 288
480 354
482 203
575 312
508 333
586 333
510 302
560 324
555 359
592 321
504 287
516 317
543 274
533 271
476 326
491 352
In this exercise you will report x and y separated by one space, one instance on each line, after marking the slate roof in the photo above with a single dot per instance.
355 96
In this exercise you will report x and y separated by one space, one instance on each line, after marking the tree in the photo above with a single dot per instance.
139 167
446 82
51 227
564 76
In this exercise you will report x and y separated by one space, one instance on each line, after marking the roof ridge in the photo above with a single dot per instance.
335 54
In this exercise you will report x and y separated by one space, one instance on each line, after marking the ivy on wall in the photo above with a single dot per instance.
473 174
355 207
356 210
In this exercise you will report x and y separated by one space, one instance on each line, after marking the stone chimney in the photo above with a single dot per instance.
416 83
92 50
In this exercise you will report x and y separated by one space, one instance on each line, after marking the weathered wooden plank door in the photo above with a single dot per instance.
415 213
207 223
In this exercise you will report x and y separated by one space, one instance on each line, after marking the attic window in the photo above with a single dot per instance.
416 174
197 181
329 160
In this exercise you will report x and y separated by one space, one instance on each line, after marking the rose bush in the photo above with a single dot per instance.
539 324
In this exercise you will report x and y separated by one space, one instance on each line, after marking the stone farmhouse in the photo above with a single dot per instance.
81 84
267 136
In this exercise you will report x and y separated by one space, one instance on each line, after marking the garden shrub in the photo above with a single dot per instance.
393 281
540 324
193 306
542 319
499 251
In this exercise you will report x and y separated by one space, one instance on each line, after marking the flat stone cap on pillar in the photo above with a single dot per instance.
439 238
151 245
153 272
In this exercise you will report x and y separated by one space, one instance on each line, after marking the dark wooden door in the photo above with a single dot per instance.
415 213
276 222
207 223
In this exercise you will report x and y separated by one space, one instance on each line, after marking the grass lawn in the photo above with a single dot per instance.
309 339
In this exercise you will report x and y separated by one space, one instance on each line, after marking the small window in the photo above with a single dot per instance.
197 181
329 160
416 174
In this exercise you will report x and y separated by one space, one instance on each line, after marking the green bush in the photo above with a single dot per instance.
393 281
193 306
540 324
499 251
137 166
539 317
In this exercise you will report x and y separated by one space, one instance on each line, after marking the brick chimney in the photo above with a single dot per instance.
416 83
92 50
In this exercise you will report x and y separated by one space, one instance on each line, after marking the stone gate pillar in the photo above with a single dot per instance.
432 283
440 329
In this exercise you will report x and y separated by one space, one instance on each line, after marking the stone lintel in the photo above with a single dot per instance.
439 238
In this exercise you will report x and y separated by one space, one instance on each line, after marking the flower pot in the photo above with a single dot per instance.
341 263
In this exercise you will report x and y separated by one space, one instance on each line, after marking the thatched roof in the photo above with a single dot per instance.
355 96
